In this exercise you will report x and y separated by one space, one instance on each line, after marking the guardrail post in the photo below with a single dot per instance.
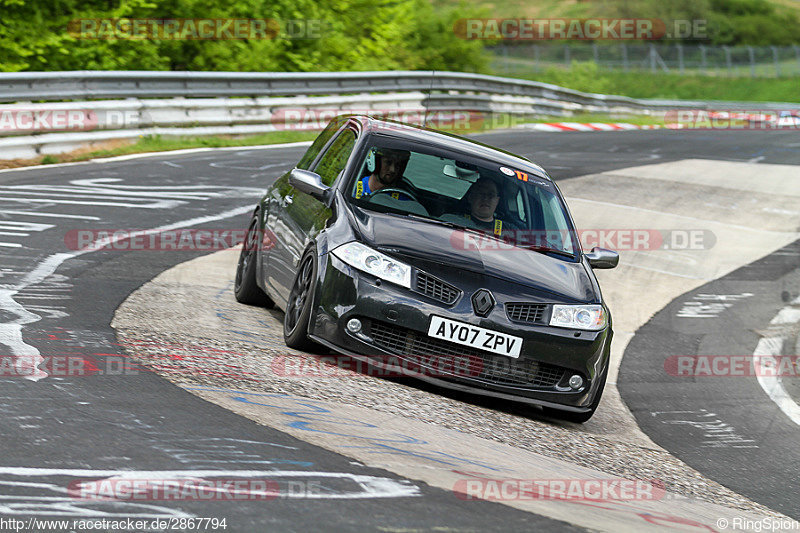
596 54
775 59
703 63
652 58
728 60
536 57
566 55
797 53
752 55
680 57
624 57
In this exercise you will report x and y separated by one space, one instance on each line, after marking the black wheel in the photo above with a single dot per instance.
579 418
298 309
245 287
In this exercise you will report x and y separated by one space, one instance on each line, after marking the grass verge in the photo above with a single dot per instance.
474 124
156 143
587 77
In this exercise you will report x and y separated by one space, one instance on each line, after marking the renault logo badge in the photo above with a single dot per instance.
482 302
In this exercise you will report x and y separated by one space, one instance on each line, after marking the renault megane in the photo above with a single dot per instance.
393 240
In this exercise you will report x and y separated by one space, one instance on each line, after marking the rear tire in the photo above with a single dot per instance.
579 418
298 308
245 287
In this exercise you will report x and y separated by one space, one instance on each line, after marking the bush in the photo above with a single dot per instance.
355 35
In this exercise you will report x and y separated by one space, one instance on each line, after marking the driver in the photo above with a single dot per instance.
386 166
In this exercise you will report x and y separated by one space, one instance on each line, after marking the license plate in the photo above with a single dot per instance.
475 337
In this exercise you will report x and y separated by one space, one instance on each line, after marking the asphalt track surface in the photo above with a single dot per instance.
722 425
89 425
141 422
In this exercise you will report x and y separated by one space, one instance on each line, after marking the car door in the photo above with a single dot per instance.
296 218
278 197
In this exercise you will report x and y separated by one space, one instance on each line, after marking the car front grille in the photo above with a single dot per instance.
484 366
436 288
526 312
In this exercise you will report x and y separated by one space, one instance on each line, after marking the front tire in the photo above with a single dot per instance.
245 287
298 308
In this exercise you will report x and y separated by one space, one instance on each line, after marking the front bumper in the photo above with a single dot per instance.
395 323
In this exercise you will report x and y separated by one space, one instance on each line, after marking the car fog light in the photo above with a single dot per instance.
576 382
354 325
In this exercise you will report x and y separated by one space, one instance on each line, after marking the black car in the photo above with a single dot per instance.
390 240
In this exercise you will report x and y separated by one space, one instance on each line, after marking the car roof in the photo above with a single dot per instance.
451 141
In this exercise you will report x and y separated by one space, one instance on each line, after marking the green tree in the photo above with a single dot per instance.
348 35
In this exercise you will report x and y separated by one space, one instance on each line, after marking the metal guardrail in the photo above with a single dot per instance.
88 85
208 103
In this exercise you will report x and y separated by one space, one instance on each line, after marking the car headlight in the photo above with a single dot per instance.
373 262
588 317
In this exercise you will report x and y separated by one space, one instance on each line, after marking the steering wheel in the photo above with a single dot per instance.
389 190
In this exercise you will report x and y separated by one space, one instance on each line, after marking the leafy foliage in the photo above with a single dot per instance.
344 35
729 22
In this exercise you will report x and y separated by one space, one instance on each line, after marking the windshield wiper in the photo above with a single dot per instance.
533 247
452 225
546 249
435 221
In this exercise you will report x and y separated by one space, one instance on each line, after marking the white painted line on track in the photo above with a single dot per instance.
156 154
768 349
47 215
787 315
165 204
11 330
185 151
369 486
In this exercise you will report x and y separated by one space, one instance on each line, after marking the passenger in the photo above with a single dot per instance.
483 198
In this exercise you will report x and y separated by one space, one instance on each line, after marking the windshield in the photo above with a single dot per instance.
500 201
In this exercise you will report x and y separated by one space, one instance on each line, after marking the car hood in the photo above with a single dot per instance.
414 241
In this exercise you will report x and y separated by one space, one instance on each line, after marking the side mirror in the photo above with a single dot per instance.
602 258
309 183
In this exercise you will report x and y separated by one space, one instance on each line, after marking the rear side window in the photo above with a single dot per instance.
320 142
335 158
